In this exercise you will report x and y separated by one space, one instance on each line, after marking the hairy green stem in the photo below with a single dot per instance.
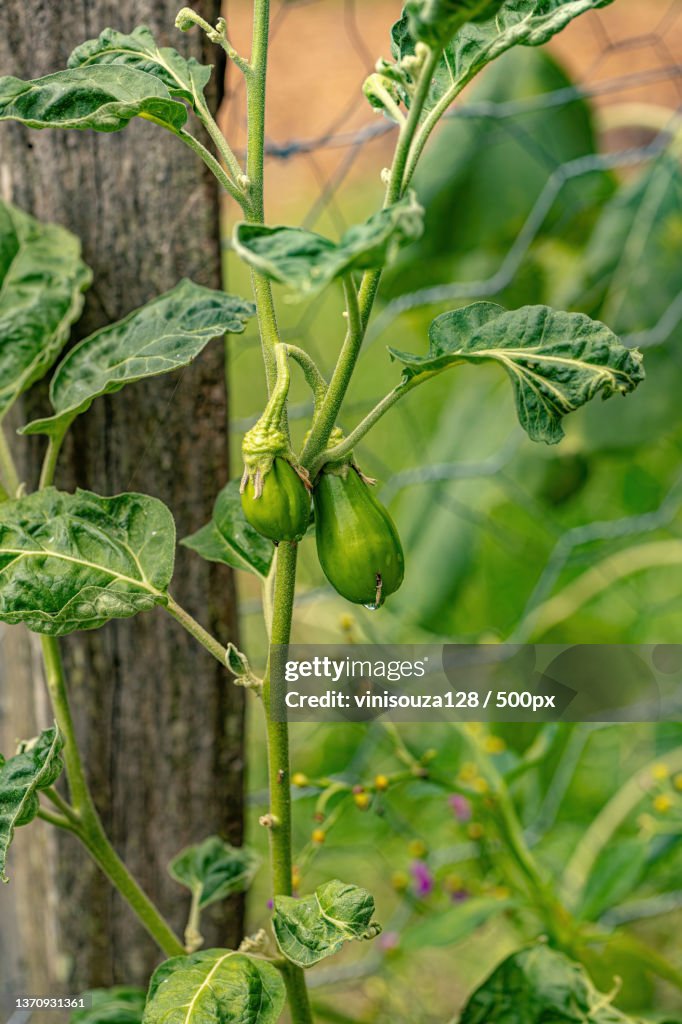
196 630
314 378
220 142
49 467
8 470
216 168
57 820
89 828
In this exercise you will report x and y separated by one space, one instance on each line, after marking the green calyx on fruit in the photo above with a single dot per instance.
277 502
357 541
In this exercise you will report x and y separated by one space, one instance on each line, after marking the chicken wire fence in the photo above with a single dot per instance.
624 53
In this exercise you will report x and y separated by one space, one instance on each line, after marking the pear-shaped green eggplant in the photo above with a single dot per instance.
282 510
357 541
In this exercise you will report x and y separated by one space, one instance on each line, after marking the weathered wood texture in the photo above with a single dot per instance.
160 726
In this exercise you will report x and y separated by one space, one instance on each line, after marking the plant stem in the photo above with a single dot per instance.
196 630
56 819
8 470
89 829
278 768
49 466
314 379
216 168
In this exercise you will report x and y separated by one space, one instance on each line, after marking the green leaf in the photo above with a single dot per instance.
452 926
36 766
118 1005
436 21
309 929
513 23
215 986
229 539
616 874
556 361
166 334
536 986
102 98
42 280
305 262
185 78
214 870
74 561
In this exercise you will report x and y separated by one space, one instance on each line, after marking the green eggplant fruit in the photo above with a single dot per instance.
357 541
282 510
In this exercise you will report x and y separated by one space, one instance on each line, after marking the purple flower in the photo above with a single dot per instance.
271 904
422 878
459 896
388 941
461 807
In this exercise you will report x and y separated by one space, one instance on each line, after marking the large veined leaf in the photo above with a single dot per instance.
104 98
556 361
183 77
42 280
229 539
309 929
118 1005
167 333
436 21
539 985
214 870
74 561
475 44
215 986
36 766
305 262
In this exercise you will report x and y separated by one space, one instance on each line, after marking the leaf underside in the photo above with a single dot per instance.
308 930
556 361
229 539
104 98
164 335
214 870
42 280
75 561
306 262
215 986
35 767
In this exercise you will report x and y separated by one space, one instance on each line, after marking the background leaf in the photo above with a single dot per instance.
538 984
167 333
183 77
214 870
102 98
74 561
118 1005
42 280
306 262
309 929
556 361
215 986
35 767
229 539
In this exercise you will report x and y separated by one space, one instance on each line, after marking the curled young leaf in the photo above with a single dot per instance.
183 77
305 262
229 539
102 98
556 361
167 333
436 21
215 986
36 766
75 561
540 984
42 280
214 870
308 930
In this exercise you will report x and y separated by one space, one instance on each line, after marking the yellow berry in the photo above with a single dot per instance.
494 745
475 830
453 883
299 779
381 782
347 622
362 800
400 881
295 877
417 848
480 785
468 771
662 803
660 772
318 836
500 892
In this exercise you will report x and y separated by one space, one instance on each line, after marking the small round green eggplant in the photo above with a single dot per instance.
282 510
357 541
